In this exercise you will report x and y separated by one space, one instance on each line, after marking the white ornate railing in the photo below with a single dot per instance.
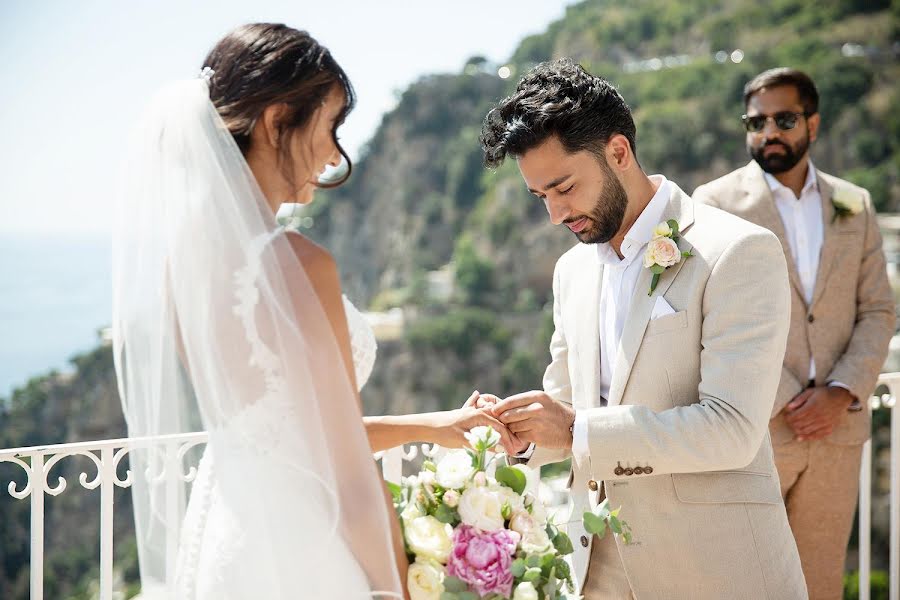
37 462
889 401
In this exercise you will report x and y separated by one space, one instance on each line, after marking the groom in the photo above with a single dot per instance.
660 388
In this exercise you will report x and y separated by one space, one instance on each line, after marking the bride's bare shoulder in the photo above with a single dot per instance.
317 262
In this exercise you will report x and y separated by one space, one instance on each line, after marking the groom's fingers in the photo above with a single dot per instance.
523 413
514 402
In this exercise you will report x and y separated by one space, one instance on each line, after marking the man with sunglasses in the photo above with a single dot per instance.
842 314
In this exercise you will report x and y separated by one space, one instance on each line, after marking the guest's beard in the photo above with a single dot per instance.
779 163
608 213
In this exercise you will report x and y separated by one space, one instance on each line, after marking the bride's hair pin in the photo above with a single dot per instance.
206 73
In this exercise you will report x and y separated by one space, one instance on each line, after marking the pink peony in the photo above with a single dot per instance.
483 559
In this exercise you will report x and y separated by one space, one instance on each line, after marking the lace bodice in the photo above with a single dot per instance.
362 341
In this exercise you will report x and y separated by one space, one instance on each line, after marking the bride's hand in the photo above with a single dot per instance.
456 423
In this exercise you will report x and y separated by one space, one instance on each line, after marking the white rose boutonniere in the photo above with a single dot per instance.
662 251
847 203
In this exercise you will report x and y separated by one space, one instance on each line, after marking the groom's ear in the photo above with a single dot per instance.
618 152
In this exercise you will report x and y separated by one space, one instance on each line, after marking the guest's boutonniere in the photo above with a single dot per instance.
846 202
662 251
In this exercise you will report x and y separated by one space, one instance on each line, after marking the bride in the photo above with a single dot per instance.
225 322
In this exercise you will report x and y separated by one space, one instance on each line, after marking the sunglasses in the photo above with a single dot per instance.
784 120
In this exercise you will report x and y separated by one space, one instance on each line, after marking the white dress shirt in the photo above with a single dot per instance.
619 280
804 227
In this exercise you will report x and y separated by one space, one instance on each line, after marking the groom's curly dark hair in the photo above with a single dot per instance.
556 98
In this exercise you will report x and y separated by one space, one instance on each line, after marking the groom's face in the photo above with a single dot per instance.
580 190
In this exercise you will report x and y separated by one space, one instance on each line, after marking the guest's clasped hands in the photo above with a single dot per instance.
526 418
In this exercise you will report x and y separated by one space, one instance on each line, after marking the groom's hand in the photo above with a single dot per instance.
485 402
536 417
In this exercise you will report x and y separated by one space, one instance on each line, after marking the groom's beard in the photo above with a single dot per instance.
607 214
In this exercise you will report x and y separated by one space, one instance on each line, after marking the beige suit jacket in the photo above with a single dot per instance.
849 324
690 400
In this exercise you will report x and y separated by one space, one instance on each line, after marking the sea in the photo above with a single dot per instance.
55 298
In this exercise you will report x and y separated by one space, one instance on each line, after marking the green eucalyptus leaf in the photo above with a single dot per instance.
454 585
532 574
511 478
614 524
657 269
533 561
563 544
445 514
594 524
673 225
518 568
449 596
467 596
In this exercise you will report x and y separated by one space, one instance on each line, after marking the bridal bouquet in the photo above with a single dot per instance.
472 536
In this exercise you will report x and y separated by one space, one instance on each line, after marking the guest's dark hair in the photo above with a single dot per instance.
556 98
261 64
781 76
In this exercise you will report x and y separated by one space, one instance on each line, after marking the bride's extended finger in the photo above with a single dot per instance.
473 400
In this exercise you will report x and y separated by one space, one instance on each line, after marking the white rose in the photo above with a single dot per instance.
429 538
454 470
427 478
481 508
483 433
536 541
525 591
522 522
848 200
508 496
663 252
425 580
411 511
662 230
539 512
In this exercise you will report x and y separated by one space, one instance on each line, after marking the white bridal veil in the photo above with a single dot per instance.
217 327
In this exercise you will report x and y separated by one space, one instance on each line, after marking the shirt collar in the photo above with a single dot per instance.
811 182
641 232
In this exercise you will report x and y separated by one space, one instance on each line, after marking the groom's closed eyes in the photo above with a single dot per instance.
559 181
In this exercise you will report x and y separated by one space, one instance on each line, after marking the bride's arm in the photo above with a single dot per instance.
445 428
322 271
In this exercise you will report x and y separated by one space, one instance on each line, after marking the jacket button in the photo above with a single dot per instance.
638 471
810 318
648 470
629 471
619 471
584 541
592 485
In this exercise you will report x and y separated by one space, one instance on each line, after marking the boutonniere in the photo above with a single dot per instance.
662 251
846 202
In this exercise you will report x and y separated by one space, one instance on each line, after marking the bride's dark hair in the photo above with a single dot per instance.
261 64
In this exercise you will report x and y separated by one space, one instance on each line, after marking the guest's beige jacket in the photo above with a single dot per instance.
849 323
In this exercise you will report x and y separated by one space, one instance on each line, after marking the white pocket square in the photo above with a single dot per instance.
661 308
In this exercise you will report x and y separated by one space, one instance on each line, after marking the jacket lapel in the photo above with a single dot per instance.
680 208
765 214
587 315
829 239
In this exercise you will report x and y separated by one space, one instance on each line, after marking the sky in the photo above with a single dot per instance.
75 75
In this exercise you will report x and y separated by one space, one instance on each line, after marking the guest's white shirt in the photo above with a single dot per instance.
618 282
804 227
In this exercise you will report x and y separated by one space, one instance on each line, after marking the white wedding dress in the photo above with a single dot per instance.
217 553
